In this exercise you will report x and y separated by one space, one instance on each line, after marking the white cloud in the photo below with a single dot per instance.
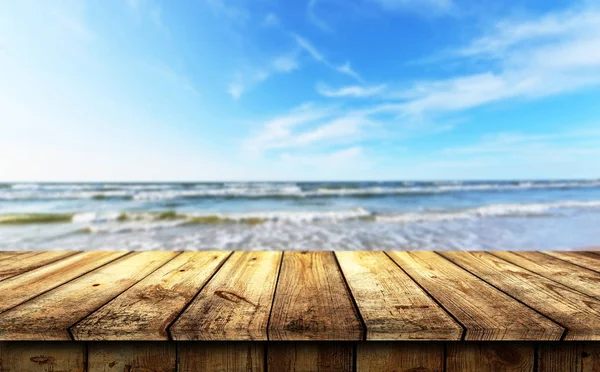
346 69
285 63
271 20
540 58
314 18
310 49
246 79
346 127
235 90
350 91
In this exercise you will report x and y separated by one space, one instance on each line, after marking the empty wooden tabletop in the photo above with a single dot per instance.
274 295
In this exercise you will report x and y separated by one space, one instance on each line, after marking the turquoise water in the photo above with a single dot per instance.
553 214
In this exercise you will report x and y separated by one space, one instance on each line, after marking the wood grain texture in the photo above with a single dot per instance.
144 311
392 305
474 303
236 302
312 301
490 357
577 312
42 357
7 254
221 356
573 276
310 357
18 289
400 356
569 357
48 316
132 357
22 263
589 260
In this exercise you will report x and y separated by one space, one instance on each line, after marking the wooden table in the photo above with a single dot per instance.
300 311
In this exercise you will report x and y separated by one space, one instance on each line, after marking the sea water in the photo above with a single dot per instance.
448 215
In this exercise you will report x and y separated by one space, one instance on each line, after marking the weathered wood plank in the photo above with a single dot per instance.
392 305
19 264
236 302
18 289
569 357
579 313
48 316
573 276
132 356
474 303
400 356
221 356
310 356
312 301
144 311
7 254
42 357
589 260
490 356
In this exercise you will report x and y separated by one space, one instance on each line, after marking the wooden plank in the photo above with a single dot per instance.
19 264
400 356
579 313
236 302
312 301
42 357
590 357
7 254
310 356
221 356
48 316
392 305
569 357
589 260
474 303
145 310
573 276
490 356
132 356
18 289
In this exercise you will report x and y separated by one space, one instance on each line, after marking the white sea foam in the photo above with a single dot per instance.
493 210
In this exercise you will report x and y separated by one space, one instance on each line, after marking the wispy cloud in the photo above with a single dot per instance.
347 69
247 78
314 18
350 91
534 58
242 81
319 57
286 63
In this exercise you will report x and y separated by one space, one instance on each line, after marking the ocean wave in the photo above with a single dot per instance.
175 218
157 192
493 210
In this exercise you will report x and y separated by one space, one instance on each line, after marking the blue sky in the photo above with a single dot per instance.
150 90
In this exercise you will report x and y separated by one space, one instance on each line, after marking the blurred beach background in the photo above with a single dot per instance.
444 215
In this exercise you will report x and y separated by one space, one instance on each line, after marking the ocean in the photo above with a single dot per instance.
448 215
